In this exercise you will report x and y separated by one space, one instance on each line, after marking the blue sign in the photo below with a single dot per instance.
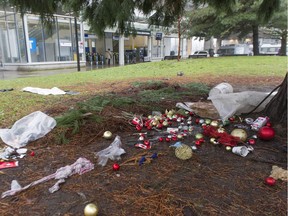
32 44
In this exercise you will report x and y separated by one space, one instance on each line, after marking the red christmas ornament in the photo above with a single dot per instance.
266 133
146 142
32 153
251 141
167 139
197 121
149 127
270 181
197 142
160 139
116 166
202 140
174 138
138 127
231 119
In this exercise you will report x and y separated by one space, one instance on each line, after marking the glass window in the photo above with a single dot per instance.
51 41
12 34
4 45
65 43
36 41
21 38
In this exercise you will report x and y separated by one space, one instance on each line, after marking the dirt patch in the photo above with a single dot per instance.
213 182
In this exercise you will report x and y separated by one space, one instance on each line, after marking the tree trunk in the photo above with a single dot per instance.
255 39
283 48
179 37
276 109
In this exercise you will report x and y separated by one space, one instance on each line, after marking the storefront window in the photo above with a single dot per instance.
36 41
51 42
65 43
21 38
4 45
12 33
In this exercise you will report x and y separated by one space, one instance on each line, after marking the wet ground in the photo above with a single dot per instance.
8 74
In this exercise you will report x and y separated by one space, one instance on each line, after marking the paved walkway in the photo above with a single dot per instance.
6 74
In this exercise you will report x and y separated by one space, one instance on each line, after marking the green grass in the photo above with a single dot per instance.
16 104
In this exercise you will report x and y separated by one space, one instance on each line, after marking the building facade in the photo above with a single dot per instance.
27 44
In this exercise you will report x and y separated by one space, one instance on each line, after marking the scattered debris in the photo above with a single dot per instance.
81 166
279 173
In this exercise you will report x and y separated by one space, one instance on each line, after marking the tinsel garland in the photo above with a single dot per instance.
222 137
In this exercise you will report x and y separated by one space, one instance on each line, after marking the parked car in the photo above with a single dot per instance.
199 54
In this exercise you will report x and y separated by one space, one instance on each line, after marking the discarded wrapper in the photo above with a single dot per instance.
8 164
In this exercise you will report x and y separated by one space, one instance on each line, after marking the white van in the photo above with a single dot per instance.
270 49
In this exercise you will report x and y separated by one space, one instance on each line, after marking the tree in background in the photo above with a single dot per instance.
241 20
278 24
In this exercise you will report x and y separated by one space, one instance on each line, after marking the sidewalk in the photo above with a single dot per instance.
7 74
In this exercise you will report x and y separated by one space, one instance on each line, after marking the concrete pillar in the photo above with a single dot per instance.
149 48
161 47
121 50
27 39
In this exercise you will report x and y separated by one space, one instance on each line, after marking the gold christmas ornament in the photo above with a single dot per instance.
183 152
90 210
214 123
208 121
221 130
199 136
165 123
228 148
241 133
212 140
107 135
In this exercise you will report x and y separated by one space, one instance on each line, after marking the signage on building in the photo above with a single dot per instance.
81 47
116 37
32 44
65 44
92 36
158 36
147 33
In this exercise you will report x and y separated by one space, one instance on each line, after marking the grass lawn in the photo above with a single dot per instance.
16 104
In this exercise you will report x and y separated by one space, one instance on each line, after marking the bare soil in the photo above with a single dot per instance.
213 182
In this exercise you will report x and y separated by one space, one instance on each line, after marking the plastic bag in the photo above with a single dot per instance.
28 128
231 104
113 152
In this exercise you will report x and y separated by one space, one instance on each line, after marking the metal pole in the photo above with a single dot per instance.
77 45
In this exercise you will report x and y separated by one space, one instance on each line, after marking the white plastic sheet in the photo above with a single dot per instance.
231 104
43 91
28 128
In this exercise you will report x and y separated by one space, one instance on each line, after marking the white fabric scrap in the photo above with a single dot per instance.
43 91
113 152
81 166
28 128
